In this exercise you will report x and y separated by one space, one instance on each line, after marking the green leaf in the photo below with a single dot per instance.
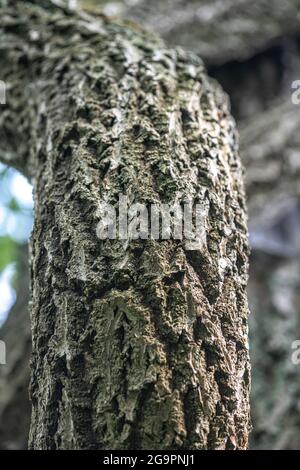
8 252
14 205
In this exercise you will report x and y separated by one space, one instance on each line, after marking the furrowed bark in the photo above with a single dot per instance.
140 345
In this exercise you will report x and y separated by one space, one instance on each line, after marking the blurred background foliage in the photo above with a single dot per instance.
16 214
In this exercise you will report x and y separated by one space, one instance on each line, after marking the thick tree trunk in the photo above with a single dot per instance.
256 65
139 345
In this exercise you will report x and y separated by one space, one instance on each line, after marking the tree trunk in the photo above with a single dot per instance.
143 344
253 51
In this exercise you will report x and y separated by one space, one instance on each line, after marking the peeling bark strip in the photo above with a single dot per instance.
143 347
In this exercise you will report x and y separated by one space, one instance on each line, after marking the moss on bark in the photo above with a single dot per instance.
143 346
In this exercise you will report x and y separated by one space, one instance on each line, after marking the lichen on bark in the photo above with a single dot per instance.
143 346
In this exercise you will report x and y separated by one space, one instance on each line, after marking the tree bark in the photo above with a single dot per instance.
256 66
142 345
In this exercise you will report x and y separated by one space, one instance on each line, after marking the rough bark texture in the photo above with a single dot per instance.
255 84
254 53
142 345
14 376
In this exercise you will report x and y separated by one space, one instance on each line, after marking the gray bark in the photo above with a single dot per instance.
143 346
256 58
252 48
